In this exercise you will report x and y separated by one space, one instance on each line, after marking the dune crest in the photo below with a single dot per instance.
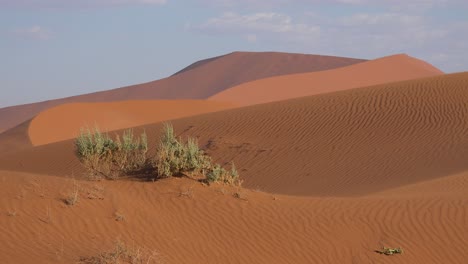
64 121
197 81
393 68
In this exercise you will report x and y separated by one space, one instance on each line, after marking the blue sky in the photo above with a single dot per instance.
57 48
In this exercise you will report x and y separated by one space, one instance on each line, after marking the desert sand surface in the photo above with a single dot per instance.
15 139
198 81
328 178
209 225
393 68
348 143
111 116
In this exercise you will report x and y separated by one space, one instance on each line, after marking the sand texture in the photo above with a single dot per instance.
383 70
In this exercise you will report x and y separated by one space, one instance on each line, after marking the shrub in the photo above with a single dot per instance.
219 174
390 251
173 157
104 157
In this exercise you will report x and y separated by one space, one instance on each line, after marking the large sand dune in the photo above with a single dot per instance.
329 178
383 70
64 121
353 142
198 81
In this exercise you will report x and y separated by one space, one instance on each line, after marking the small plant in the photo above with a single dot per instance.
12 213
174 157
169 157
73 196
105 157
123 254
240 195
187 193
390 251
119 217
219 174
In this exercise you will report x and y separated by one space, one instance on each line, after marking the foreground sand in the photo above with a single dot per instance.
185 222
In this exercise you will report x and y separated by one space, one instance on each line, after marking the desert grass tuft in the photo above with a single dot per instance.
390 251
123 254
72 197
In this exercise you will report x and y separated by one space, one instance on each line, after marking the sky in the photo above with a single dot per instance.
57 48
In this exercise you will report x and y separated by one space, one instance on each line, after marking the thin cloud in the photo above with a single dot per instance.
258 25
58 4
390 4
35 32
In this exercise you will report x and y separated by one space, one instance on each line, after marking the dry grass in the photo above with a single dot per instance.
123 254
187 193
239 194
48 216
12 213
390 251
73 196
119 217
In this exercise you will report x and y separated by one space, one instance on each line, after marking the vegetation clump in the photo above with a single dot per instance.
104 157
108 158
123 254
390 251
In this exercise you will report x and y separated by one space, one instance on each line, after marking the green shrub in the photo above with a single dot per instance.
219 174
175 157
104 157
169 156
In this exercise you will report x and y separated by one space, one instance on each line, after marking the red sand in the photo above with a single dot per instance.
383 70
212 226
328 178
64 121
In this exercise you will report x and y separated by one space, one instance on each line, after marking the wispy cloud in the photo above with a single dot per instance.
258 25
350 2
76 3
34 32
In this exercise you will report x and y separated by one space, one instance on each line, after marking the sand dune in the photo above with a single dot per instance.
345 173
384 70
211 226
15 139
198 81
69 118
347 143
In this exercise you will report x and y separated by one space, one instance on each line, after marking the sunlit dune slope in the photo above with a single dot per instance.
352 142
65 121
198 81
384 70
